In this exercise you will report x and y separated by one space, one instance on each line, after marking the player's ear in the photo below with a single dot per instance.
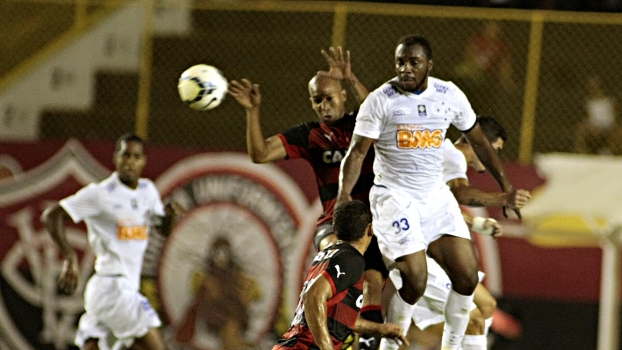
344 94
430 65
369 231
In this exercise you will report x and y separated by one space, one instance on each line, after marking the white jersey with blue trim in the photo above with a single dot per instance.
409 130
454 162
118 221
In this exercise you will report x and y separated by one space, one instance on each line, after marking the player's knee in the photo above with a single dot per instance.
413 288
465 283
488 307
476 323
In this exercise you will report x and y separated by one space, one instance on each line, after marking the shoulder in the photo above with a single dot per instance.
303 128
148 186
442 86
348 253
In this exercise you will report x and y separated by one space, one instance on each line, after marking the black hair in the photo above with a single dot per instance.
416 39
491 128
128 137
351 220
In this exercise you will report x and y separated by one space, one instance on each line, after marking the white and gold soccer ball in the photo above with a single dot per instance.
202 87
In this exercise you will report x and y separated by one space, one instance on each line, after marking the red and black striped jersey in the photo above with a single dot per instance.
324 146
342 265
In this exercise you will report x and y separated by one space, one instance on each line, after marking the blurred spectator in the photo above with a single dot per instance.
596 131
486 57
485 71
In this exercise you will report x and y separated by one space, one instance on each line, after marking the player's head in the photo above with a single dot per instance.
413 62
352 221
495 134
328 98
129 158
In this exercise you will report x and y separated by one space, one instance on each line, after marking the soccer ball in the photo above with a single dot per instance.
202 86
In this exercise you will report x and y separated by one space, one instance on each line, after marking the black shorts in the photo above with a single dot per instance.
373 257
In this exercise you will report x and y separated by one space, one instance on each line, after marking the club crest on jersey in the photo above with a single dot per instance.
134 203
422 111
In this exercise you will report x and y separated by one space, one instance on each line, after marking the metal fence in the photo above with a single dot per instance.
529 69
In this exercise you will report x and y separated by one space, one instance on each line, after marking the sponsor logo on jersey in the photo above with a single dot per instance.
129 233
389 91
411 137
401 111
339 273
441 88
331 156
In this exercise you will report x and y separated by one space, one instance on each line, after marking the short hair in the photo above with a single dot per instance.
416 39
491 128
317 77
128 137
351 220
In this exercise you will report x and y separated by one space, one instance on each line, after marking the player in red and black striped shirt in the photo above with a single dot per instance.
323 144
332 294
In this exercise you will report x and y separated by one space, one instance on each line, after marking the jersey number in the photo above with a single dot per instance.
401 225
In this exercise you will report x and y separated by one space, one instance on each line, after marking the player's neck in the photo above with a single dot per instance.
359 245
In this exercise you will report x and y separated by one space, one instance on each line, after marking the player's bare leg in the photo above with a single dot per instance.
414 272
372 309
150 341
486 303
457 257
91 344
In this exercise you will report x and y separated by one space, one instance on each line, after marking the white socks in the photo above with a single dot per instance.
474 342
457 311
400 313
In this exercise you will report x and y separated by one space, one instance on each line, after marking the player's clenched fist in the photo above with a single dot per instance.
518 198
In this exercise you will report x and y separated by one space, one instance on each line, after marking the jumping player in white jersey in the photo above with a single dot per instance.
456 159
118 213
413 209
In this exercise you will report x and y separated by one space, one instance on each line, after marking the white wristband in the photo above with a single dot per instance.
478 226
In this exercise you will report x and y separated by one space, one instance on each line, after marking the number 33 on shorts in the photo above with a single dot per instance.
400 225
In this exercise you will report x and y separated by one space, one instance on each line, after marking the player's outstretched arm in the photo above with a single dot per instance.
315 301
54 219
351 167
381 330
474 197
490 159
261 150
341 69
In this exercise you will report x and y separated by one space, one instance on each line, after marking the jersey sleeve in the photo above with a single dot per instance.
157 207
370 116
454 163
344 270
82 204
296 141
466 118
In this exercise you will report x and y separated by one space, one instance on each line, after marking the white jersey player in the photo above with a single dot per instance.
119 213
414 211
456 159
